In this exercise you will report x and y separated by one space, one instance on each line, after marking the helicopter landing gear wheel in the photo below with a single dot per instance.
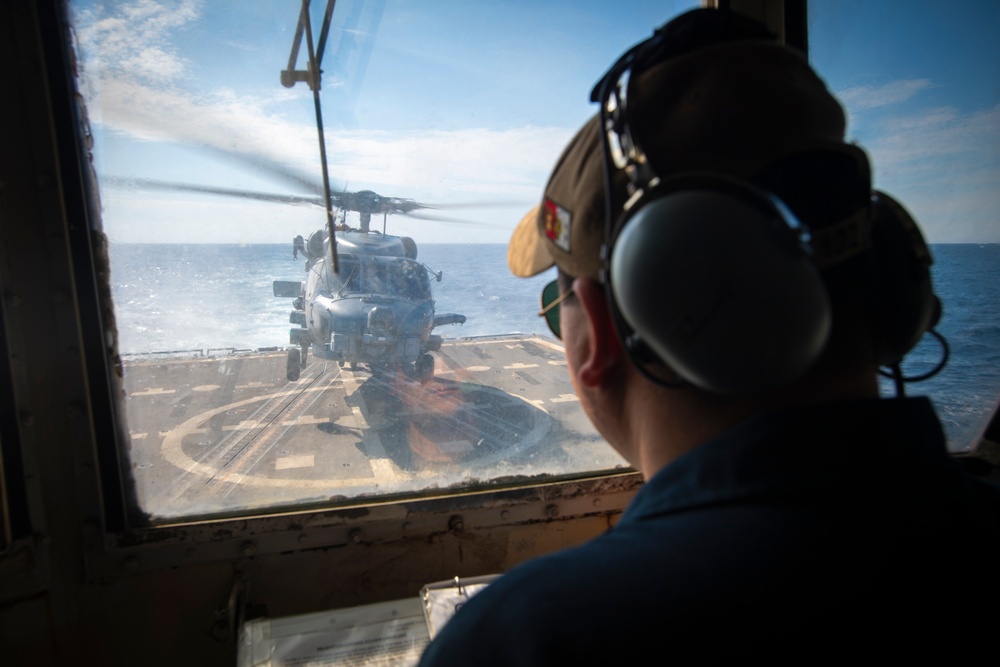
424 367
293 367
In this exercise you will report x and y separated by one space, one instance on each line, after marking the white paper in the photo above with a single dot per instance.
387 634
444 598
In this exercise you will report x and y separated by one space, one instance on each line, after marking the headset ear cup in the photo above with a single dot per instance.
907 305
716 283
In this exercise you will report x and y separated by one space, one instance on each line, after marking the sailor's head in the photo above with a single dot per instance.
711 104
722 104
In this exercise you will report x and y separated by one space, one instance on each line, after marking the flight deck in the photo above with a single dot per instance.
225 430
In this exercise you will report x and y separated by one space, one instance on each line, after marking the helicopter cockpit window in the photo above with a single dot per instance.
401 278
255 378
348 279
394 278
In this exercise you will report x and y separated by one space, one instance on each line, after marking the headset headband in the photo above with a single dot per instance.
693 30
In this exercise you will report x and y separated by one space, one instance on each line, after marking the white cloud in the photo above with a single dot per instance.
870 97
462 159
943 162
135 79
918 142
945 165
503 171
136 41
223 120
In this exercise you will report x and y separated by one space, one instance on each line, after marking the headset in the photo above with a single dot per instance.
715 277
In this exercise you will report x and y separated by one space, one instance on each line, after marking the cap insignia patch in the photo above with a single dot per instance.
558 224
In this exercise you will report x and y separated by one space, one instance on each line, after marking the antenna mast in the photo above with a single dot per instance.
313 76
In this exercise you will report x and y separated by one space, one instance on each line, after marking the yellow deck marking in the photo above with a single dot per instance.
174 453
300 461
565 398
254 385
244 425
473 342
304 420
154 392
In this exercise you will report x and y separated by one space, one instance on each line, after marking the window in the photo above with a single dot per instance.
921 82
442 121
422 367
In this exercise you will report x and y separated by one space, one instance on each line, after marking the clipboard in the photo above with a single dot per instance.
383 634
443 598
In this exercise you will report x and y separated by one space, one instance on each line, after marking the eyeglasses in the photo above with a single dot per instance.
551 298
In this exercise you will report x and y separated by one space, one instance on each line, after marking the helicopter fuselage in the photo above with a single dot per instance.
376 310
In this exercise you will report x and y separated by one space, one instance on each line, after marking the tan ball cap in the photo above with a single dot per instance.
732 108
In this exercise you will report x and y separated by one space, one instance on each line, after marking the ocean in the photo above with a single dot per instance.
214 297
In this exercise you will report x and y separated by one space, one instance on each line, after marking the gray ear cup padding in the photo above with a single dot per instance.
718 285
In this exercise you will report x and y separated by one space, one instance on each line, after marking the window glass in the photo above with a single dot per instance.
255 379
921 83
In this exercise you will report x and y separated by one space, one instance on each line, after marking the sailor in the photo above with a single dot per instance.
728 286
298 245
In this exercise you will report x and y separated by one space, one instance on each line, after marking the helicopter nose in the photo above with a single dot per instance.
381 319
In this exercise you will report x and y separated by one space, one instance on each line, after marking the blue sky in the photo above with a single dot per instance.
452 101
921 83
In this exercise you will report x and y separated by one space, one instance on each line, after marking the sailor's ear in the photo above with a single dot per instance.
604 351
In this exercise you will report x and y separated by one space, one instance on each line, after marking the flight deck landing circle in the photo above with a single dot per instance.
337 435
442 421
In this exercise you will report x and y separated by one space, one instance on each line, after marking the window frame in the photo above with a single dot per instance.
87 435
89 428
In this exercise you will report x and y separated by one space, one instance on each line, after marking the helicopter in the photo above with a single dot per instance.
376 307
366 299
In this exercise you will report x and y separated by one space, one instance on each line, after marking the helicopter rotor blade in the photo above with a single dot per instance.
407 206
475 204
398 205
146 184
363 201
440 218
269 166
